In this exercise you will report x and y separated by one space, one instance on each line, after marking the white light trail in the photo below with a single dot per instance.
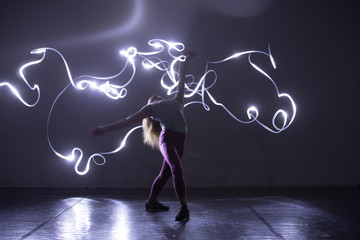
169 81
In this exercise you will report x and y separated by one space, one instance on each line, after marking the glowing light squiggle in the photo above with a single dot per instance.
169 81
22 75
252 111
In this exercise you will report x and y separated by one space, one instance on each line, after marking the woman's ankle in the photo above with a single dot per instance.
152 198
183 202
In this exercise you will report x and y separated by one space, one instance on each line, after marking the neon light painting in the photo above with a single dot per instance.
150 60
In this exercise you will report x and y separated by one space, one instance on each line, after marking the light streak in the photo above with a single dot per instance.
135 16
35 87
252 111
169 80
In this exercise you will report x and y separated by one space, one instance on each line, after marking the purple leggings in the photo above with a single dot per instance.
171 147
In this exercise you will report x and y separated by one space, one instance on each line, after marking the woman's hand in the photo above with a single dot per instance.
189 55
97 131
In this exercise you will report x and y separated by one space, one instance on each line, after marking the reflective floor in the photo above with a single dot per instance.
215 214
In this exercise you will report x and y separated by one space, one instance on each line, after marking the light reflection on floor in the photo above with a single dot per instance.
92 216
120 221
213 216
74 222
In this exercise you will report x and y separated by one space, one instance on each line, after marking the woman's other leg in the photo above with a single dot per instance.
172 153
160 180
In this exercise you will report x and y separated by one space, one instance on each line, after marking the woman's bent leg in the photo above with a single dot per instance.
160 180
171 147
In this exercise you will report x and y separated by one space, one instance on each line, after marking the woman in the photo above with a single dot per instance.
164 127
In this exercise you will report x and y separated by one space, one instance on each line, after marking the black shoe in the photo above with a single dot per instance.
155 206
183 215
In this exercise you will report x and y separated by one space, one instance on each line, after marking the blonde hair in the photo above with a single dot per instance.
151 128
151 132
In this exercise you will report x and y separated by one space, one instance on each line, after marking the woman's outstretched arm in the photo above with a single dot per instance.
130 120
182 74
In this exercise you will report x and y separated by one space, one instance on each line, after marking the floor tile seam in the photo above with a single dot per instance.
51 219
263 220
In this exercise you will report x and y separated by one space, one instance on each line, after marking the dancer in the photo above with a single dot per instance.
164 127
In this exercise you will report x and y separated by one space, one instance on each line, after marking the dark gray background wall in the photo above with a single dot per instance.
314 44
